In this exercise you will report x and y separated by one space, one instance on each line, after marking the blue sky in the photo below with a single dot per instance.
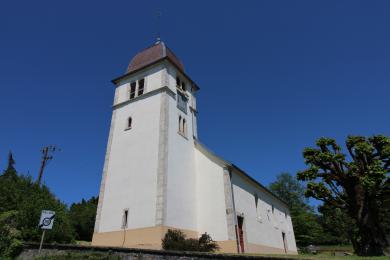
274 76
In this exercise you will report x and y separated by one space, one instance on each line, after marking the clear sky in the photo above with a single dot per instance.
274 76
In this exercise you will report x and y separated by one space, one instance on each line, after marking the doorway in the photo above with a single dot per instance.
284 242
240 223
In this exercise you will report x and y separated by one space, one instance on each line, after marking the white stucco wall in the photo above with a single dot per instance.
210 192
181 178
132 164
262 227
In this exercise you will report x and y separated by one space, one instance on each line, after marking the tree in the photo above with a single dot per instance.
337 226
82 216
358 185
307 229
289 190
20 194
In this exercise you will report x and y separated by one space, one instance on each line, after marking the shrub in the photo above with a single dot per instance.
176 240
10 243
207 244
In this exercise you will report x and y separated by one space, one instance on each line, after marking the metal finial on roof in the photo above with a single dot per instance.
158 16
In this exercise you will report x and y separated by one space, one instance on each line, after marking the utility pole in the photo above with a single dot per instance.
46 156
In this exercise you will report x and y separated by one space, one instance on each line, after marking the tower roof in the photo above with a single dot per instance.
152 54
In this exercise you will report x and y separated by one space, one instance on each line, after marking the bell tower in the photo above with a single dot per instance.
149 182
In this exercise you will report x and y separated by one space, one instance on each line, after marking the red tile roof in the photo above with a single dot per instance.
152 54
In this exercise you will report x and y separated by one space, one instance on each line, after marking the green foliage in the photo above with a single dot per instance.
357 184
176 240
337 225
289 190
10 243
82 216
19 193
207 244
307 229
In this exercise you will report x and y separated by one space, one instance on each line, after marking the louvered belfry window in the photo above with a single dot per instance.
133 86
182 102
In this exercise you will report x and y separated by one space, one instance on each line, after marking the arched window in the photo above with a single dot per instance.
184 127
178 81
180 128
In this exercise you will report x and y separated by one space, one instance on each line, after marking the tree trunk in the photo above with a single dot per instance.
371 238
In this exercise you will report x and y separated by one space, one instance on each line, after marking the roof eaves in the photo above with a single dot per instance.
259 184
233 166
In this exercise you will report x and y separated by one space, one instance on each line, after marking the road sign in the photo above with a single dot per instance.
47 219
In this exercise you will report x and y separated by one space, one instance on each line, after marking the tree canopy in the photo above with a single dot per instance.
23 199
82 217
307 227
20 194
356 183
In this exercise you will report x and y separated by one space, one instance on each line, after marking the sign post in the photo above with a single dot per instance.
46 222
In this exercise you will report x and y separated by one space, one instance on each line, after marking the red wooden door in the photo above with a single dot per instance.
240 221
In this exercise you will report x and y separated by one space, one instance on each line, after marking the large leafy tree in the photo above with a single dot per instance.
357 183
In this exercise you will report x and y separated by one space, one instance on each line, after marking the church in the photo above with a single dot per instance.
157 174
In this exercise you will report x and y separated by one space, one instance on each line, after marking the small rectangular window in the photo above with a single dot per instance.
182 102
133 86
125 217
273 209
141 84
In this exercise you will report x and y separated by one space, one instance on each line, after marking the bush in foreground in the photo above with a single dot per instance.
176 240
10 243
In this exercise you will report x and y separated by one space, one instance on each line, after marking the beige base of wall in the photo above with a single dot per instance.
150 238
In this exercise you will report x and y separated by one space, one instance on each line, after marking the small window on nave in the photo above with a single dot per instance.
125 218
